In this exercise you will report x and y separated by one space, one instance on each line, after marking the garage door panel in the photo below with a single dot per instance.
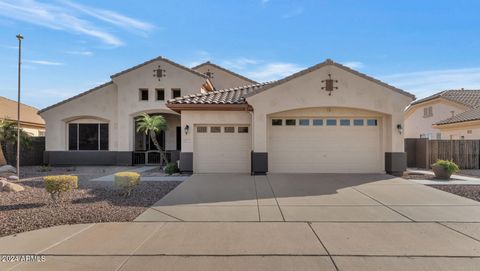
329 149
222 152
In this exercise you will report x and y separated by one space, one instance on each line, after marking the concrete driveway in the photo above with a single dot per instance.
309 198
308 222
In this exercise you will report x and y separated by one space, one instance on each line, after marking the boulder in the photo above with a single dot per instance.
7 169
10 187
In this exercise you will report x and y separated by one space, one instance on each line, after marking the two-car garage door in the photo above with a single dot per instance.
222 149
330 145
295 145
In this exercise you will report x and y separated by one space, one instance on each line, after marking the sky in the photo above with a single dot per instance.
71 46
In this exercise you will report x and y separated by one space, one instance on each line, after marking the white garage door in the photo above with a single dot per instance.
324 145
223 148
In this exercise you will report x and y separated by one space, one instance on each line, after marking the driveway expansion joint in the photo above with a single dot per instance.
455 230
324 247
388 207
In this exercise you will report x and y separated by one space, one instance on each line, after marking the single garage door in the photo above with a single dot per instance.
324 145
222 148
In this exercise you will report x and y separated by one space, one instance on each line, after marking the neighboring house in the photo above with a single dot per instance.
30 121
450 114
290 125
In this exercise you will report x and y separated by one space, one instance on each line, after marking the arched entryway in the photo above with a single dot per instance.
145 152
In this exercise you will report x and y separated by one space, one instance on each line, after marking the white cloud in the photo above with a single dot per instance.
81 53
424 83
273 71
239 63
44 62
354 64
293 13
65 18
112 17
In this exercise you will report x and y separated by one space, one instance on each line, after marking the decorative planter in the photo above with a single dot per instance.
441 173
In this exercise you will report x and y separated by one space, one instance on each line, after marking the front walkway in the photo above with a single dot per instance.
309 198
111 177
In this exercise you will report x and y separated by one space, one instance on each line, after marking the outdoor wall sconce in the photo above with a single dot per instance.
186 129
399 128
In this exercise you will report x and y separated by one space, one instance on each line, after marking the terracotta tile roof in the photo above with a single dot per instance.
466 97
28 114
469 115
225 70
223 96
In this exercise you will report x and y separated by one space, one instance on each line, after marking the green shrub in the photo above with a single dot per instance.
44 168
171 168
449 166
127 181
55 185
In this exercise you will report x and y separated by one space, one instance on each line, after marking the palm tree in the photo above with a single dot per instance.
152 125
8 134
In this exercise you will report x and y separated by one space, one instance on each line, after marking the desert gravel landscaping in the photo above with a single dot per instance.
467 191
92 202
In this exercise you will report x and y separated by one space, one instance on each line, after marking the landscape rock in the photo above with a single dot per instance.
13 178
7 169
10 187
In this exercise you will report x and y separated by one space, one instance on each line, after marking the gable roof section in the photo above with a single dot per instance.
225 70
217 97
155 59
466 97
326 63
76 96
470 115
28 114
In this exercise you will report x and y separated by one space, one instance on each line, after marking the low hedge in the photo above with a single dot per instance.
127 181
57 184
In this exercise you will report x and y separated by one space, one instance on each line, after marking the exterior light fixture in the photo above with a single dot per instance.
399 128
186 129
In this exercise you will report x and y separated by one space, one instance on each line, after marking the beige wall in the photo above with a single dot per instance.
222 79
193 118
119 103
33 131
416 124
467 130
95 106
129 104
353 92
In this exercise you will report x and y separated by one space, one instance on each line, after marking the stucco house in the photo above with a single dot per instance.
327 118
450 114
30 121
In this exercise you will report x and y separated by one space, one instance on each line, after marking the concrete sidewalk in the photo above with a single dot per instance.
249 246
111 177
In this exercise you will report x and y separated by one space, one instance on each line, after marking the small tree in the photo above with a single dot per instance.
8 134
153 125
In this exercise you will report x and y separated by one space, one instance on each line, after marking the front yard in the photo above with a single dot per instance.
92 202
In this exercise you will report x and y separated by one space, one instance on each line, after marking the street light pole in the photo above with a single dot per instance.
19 38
